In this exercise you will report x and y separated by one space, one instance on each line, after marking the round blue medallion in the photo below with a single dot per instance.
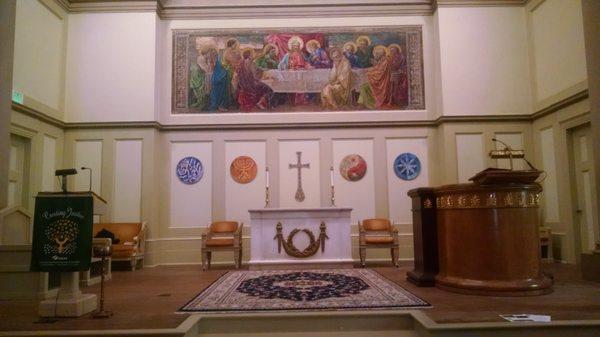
189 170
407 166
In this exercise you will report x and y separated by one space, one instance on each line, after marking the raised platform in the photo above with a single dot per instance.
144 303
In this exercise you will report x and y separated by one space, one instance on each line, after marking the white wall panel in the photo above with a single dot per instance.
240 198
549 184
558 46
288 177
399 202
128 181
110 67
484 60
39 44
515 141
469 155
360 195
191 205
88 153
48 164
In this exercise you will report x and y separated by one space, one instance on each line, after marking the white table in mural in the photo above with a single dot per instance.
267 251
307 81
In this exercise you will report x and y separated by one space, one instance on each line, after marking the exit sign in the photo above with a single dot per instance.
17 97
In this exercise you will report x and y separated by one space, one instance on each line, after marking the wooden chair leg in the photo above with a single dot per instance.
208 258
204 257
395 251
132 264
236 257
363 254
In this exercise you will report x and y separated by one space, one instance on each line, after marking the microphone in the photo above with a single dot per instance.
88 168
507 148
503 143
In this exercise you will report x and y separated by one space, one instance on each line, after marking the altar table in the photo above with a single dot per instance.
307 81
266 252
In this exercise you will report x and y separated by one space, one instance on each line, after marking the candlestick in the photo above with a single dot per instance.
266 196
267 176
332 196
331 175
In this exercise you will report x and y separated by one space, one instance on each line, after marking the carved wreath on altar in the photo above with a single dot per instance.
290 248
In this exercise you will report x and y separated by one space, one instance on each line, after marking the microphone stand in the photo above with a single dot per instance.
88 168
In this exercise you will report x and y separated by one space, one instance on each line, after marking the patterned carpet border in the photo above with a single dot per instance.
302 290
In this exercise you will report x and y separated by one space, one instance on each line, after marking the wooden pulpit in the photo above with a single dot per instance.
487 235
424 237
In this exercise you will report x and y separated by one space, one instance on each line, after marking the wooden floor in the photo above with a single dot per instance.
149 298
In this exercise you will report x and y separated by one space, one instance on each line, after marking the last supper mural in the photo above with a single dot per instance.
298 70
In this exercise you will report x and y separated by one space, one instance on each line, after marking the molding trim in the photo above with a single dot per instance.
29 111
481 3
577 97
111 6
241 9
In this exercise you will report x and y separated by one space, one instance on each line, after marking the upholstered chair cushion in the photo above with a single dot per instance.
223 227
124 231
379 239
219 242
376 224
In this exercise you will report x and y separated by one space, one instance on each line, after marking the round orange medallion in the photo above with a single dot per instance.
243 169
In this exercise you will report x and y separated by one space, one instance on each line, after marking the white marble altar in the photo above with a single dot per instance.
264 246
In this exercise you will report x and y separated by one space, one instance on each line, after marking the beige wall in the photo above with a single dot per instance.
40 40
484 66
557 48
591 12
110 74
477 62
41 165
7 34
162 203
560 220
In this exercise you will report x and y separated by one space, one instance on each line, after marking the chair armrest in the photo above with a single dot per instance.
140 239
237 236
394 234
361 234
101 242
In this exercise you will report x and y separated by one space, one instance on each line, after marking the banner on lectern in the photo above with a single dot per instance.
62 233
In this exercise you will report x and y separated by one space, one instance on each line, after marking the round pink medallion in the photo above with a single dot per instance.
353 167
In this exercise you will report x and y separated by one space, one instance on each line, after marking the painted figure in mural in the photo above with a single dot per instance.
200 75
267 59
350 53
376 94
337 93
220 95
363 52
399 78
317 56
232 58
294 59
252 93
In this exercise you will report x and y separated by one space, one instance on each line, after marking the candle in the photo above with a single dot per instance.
331 175
267 176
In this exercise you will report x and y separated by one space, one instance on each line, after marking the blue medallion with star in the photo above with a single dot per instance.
407 166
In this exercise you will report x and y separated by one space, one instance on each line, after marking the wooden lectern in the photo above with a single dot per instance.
487 235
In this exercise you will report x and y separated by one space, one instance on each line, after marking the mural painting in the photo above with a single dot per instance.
298 70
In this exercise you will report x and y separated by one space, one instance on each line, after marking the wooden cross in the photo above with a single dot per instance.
299 192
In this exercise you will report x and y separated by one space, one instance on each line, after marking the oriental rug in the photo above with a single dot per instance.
299 290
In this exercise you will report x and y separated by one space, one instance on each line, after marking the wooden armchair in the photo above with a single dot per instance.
222 236
132 240
377 233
